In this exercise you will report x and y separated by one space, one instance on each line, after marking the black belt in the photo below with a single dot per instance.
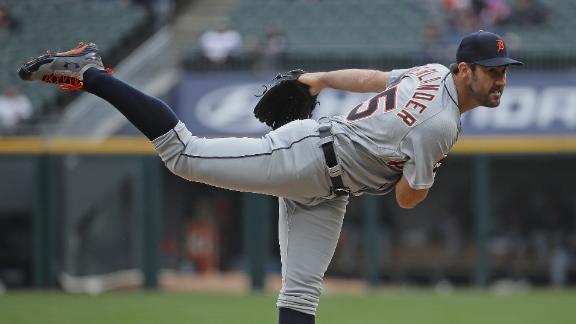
334 169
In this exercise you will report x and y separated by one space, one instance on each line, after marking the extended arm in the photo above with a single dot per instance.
408 197
354 80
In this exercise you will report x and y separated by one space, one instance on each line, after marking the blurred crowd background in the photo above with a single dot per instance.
66 214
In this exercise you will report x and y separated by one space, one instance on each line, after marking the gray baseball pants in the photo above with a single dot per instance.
287 163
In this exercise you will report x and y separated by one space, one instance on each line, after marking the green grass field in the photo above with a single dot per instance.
466 307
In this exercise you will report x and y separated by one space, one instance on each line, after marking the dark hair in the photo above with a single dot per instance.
454 67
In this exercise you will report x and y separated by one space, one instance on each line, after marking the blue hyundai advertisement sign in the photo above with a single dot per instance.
221 104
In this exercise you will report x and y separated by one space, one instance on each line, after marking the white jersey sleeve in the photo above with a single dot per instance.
426 146
394 76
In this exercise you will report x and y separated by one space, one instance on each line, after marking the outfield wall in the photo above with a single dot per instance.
82 208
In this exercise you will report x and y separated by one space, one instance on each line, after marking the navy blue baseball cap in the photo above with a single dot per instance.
484 48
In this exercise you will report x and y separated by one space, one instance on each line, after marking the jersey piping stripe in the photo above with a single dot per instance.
249 155
179 139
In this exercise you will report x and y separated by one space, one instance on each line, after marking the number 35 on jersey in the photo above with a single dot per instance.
386 102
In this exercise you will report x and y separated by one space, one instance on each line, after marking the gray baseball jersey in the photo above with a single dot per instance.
406 130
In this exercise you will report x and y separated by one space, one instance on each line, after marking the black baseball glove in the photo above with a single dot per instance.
285 100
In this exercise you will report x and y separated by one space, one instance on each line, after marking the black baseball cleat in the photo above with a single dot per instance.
64 69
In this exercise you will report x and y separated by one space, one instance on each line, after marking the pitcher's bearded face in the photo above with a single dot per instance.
486 84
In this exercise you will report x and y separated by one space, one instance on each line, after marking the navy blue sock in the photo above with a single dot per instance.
150 115
290 316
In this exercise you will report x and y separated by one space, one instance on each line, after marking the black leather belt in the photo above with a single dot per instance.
334 169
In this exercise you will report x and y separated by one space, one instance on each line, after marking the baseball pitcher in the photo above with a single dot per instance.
394 141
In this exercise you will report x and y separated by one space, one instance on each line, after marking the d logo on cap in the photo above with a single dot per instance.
500 44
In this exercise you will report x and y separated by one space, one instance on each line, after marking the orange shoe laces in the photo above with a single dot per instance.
66 82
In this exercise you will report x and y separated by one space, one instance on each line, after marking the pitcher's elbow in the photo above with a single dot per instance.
408 200
406 204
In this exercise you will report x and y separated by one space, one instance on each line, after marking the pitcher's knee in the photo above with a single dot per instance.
301 302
